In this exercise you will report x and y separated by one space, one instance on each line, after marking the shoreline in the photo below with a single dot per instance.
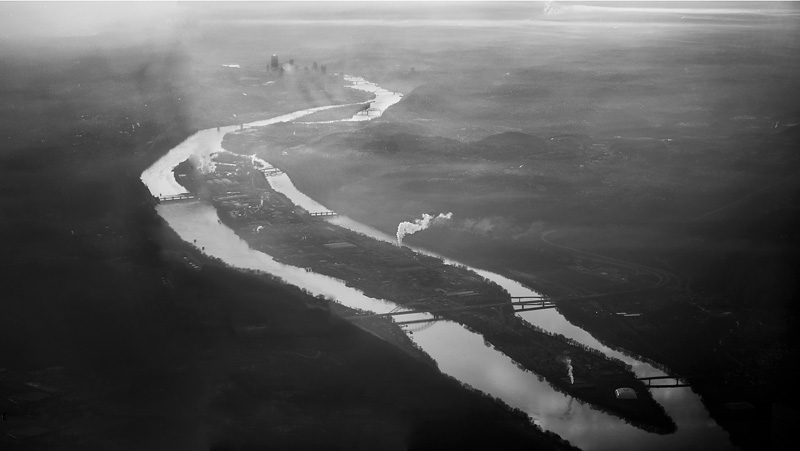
528 353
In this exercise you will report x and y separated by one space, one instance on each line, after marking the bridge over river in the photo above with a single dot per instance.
177 197
323 213
458 352
269 172
519 303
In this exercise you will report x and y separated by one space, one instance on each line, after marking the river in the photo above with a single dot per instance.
458 352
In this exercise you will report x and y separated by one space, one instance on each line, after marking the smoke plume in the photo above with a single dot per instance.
407 228
568 362
204 163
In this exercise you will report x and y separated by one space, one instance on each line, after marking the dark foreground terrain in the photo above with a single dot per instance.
115 334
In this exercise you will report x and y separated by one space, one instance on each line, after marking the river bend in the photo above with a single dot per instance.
458 352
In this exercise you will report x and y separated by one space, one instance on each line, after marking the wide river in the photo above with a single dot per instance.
457 351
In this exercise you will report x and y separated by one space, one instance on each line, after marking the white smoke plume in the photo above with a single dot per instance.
204 163
568 361
407 228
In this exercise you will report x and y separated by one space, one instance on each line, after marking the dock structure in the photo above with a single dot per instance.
324 213
177 197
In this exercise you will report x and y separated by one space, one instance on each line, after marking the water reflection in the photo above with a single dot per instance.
458 352
199 221
463 354
561 414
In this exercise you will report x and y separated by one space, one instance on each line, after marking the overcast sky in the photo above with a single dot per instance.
90 18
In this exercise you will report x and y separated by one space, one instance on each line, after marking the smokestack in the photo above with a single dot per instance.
407 228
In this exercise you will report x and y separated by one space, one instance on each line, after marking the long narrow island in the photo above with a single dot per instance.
271 223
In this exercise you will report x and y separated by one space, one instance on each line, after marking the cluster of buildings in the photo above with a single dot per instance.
280 69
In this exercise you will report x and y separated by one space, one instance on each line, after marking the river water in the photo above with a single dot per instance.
458 352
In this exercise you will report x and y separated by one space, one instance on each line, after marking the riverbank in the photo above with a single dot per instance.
548 128
270 222
118 334
383 328
608 235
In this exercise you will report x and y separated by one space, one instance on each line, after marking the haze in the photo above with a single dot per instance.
399 225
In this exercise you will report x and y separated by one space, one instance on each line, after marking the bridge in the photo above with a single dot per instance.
177 197
324 213
271 171
522 304
420 321
668 382
528 303
370 112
